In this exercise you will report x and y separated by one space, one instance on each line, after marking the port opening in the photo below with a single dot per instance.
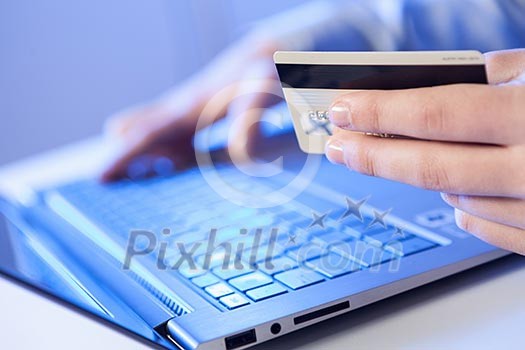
322 312
241 339
275 328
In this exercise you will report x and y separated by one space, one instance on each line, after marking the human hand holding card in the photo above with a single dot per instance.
311 81
466 137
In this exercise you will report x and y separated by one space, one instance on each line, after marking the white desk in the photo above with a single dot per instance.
480 309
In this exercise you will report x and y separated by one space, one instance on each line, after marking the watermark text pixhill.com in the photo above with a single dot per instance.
255 248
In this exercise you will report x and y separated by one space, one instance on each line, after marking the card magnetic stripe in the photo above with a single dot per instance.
384 77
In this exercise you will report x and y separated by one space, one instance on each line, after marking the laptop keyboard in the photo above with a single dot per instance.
262 265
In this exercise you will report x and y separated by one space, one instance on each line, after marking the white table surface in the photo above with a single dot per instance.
483 308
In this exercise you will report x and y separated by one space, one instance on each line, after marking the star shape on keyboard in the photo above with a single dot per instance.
353 208
318 220
398 232
379 218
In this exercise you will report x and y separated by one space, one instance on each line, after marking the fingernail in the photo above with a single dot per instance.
340 115
449 198
334 152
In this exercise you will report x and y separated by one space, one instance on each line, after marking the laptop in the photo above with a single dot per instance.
222 257
369 239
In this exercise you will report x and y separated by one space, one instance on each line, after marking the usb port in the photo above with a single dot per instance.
241 339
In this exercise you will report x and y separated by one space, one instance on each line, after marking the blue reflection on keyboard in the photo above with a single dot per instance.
298 257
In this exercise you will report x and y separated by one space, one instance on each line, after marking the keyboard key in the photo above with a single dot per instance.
414 245
362 252
196 248
276 265
353 232
205 280
331 238
218 257
188 236
234 301
189 271
306 252
262 253
333 265
232 271
382 237
317 231
218 290
288 239
375 257
250 281
266 292
224 234
247 242
350 221
299 277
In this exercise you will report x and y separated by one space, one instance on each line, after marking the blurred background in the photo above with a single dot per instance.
67 65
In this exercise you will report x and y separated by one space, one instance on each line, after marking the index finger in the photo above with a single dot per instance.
457 113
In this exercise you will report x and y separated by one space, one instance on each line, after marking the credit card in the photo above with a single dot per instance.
312 80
